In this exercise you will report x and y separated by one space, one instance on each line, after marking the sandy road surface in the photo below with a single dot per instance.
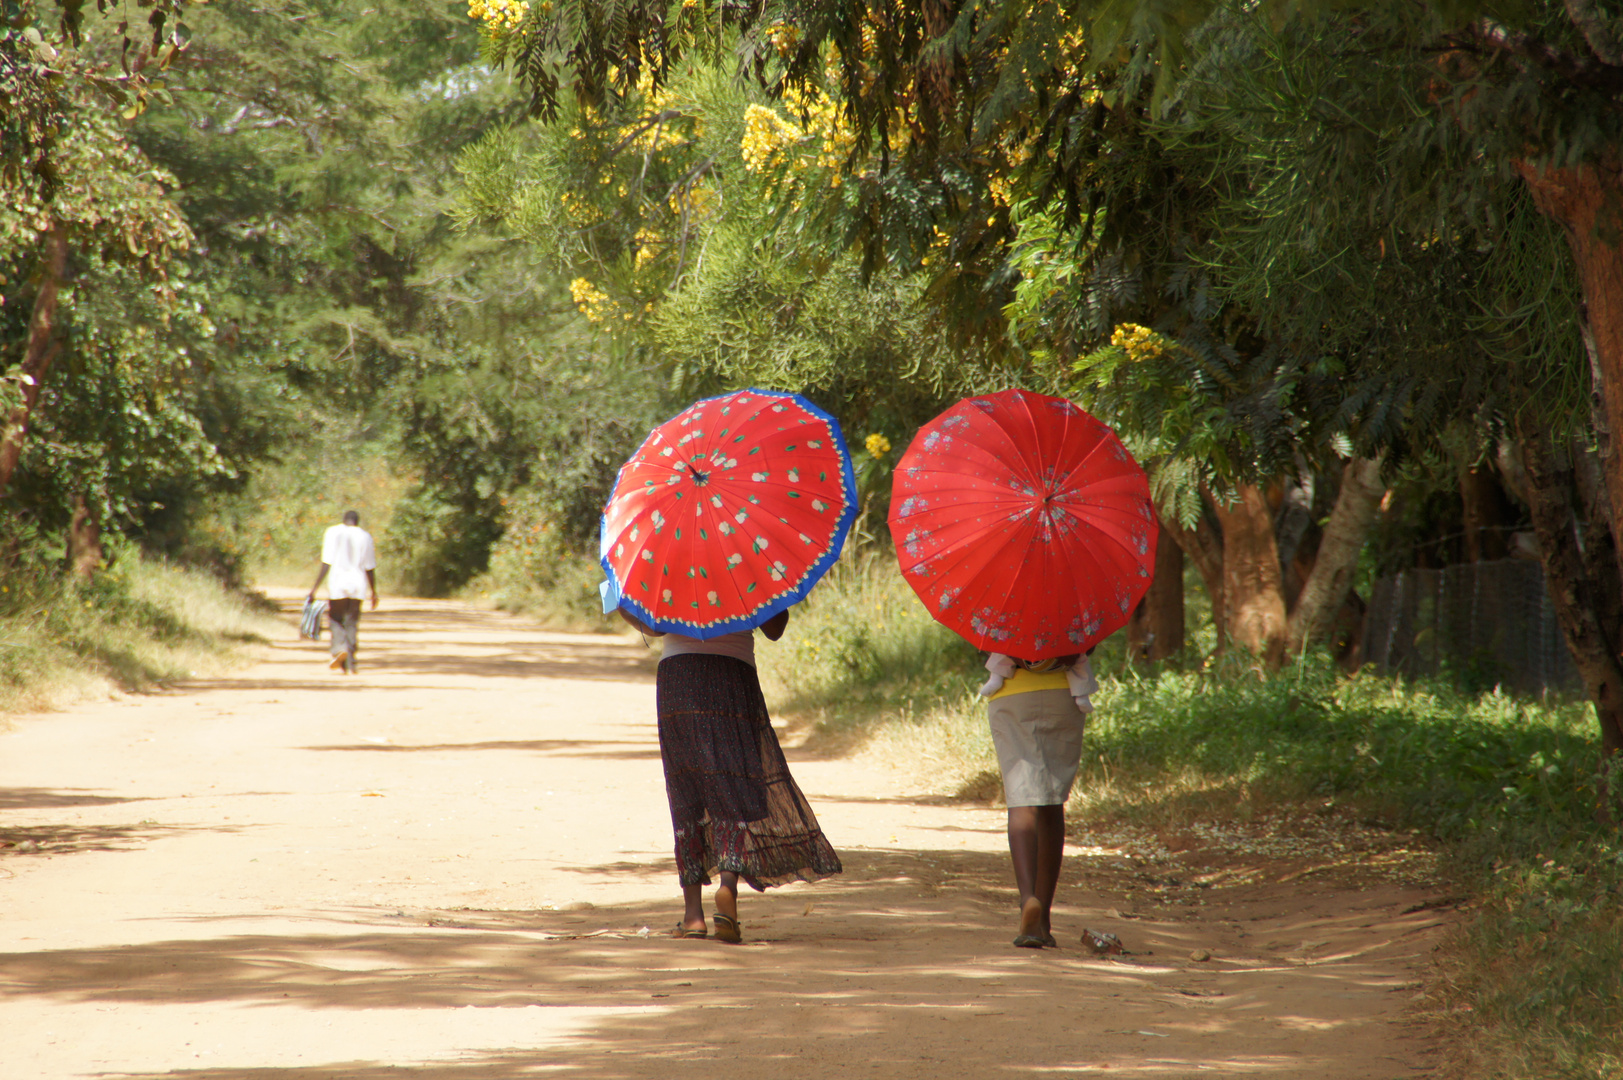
443 868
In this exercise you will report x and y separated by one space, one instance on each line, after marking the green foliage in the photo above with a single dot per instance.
1354 219
865 350
659 208
1536 976
269 529
119 416
861 644
340 285
88 179
538 569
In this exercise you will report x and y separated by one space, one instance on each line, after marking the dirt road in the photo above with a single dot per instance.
456 865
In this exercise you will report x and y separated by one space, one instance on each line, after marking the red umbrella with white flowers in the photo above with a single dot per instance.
1023 524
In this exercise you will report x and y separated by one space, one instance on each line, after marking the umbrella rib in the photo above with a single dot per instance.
1010 580
966 542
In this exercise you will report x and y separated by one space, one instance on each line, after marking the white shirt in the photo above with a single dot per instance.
349 554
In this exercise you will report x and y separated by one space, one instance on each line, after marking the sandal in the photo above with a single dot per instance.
729 930
1031 941
681 931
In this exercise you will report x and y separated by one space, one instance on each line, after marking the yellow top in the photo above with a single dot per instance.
1024 682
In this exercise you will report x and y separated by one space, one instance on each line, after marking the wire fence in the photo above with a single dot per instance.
1486 623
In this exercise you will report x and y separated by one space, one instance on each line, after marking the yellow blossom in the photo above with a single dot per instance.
647 246
591 300
499 16
766 134
1139 342
784 37
878 446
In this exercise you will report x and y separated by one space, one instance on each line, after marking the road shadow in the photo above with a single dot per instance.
433 641
519 661
49 798
34 841
900 968
592 748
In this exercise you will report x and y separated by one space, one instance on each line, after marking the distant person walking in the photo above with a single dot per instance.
1038 710
348 564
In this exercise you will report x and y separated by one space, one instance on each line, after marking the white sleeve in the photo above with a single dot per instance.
369 557
1001 668
1082 683
329 545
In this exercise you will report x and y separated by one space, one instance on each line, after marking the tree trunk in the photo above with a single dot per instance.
1253 592
1295 513
41 349
1155 631
84 552
1585 201
1325 590
1487 514
1205 548
1583 584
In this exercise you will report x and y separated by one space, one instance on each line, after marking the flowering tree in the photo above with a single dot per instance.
663 208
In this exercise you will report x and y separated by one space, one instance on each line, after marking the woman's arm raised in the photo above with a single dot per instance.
773 628
636 624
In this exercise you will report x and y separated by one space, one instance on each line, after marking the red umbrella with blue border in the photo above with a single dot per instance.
727 514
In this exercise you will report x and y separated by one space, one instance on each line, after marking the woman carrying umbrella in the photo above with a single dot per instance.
1026 528
722 520
1037 710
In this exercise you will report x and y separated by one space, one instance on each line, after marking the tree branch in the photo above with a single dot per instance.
1595 29
1582 71
661 117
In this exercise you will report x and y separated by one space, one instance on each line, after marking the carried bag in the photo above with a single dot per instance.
310 621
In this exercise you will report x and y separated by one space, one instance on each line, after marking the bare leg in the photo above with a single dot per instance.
726 901
1050 851
1036 844
727 927
727 895
693 907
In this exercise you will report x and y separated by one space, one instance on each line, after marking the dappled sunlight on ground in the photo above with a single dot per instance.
457 863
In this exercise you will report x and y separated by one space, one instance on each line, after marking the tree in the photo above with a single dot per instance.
662 209
87 220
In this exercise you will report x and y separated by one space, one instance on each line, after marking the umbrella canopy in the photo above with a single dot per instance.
727 514
1023 524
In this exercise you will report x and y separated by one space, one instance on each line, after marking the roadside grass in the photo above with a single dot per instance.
138 624
1507 789
532 573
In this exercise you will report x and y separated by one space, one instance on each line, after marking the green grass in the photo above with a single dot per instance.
136 625
1506 788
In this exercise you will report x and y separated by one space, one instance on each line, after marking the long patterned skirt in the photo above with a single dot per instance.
734 805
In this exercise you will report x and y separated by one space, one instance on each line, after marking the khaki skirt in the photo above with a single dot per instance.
1038 737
